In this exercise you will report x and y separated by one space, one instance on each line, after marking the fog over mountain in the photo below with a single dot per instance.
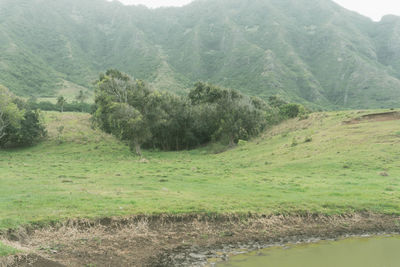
310 51
156 3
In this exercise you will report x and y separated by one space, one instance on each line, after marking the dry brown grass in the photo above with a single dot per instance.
141 240
77 128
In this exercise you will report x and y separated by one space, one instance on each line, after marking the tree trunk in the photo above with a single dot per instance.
137 149
3 126
231 141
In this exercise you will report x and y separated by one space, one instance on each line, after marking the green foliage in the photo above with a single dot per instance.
68 107
29 131
60 130
290 110
19 125
231 115
94 175
6 250
122 108
276 101
294 142
242 143
140 116
61 102
130 125
292 52
281 110
82 97
10 115
207 93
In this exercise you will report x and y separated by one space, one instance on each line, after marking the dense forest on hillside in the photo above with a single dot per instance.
309 51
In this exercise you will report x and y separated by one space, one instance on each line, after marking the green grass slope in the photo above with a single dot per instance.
318 165
6 250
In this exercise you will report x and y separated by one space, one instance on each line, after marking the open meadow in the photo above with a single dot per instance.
326 164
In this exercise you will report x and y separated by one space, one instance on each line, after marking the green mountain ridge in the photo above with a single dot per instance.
310 51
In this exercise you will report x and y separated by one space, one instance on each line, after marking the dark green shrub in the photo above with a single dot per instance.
290 110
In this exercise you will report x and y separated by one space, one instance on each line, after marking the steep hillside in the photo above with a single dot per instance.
387 38
313 51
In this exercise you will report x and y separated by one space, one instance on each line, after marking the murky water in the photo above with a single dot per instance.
354 252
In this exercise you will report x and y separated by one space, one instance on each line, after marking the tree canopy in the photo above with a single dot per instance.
19 124
130 110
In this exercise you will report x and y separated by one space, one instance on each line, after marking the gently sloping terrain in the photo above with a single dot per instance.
318 165
313 165
383 116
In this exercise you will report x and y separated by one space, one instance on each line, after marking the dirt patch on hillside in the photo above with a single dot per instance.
188 240
386 116
29 260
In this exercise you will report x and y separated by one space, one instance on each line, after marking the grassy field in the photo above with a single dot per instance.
6 250
69 91
317 165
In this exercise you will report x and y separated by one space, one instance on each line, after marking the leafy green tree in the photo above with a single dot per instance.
19 125
128 109
206 122
81 98
239 120
234 117
116 87
61 101
121 108
276 101
171 121
30 130
10 115
130 126
207 93
291 110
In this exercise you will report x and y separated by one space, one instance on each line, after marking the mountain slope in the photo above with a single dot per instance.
313 51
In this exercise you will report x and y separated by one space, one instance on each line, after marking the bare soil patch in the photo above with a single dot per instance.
186 240
29 261
386 116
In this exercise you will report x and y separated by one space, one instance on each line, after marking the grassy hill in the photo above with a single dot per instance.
313 52
327 164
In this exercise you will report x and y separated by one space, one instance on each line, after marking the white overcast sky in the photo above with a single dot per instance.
157 3
374 9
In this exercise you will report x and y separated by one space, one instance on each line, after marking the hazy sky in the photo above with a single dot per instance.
374 9
157 3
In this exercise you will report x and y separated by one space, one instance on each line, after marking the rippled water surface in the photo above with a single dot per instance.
354 252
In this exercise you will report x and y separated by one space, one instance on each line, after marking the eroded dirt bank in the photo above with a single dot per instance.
187 240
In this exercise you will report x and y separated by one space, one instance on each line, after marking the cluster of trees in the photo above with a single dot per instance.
148 118
67 107
19 124
79 105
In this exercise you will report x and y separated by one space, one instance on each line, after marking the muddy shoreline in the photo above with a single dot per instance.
182 240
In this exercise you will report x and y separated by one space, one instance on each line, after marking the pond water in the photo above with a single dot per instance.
383 251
